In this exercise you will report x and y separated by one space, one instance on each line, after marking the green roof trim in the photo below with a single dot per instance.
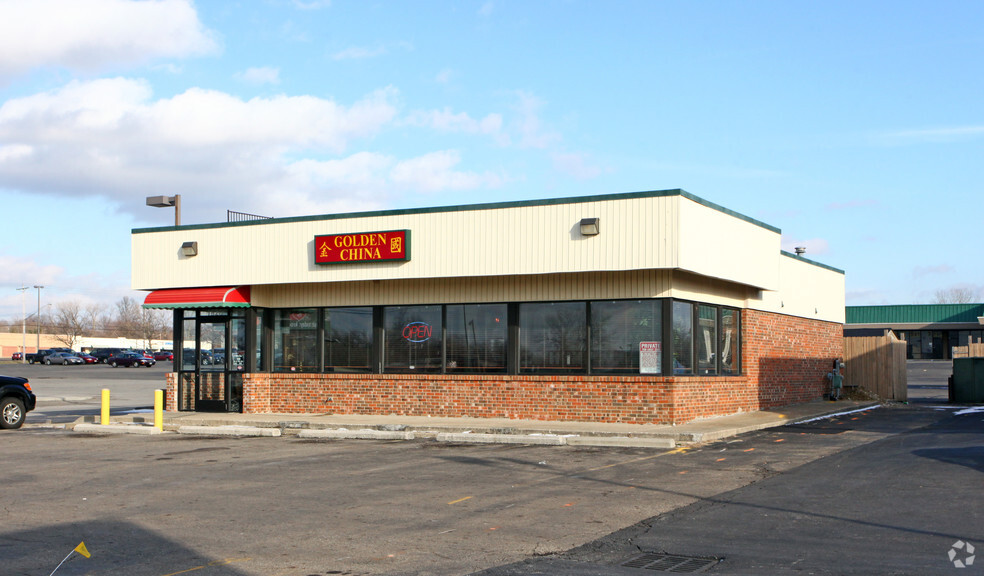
915 314
198 305
468 207
808 261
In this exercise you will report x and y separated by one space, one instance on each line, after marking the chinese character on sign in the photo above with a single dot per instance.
396 245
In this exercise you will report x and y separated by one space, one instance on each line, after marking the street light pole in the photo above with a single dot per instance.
167 202
39 316
23 323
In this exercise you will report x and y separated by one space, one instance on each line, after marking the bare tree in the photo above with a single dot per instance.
155 325
70 322
955 296
128 318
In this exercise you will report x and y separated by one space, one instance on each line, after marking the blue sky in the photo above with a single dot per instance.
857 128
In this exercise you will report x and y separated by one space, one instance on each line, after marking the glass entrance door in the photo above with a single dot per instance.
212 391
212 363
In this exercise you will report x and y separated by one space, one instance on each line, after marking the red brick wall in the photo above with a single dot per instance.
785 361
789 357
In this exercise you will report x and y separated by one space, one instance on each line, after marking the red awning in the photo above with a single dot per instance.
216 297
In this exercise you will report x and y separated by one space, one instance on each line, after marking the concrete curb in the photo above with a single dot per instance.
501 439
248 431
116 429
367 434
621 441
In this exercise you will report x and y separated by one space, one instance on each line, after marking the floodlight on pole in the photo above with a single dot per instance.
167 202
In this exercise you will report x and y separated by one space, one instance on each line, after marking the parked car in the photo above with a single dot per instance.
102 354
62 358
130 359
16 400
162 355
87 358
16 356
41 355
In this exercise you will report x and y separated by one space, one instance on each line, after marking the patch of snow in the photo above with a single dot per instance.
828 416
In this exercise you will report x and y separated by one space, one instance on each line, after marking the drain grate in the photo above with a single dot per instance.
670 563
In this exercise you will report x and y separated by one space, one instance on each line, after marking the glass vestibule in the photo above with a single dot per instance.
210 359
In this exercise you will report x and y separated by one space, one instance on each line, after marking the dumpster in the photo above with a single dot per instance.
967 382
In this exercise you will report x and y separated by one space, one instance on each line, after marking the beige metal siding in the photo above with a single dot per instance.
649 246
587 286
722 246
806 290
635 234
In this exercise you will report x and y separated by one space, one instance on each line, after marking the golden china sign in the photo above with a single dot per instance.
362 247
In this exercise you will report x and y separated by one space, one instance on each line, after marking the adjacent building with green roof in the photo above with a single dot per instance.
930 330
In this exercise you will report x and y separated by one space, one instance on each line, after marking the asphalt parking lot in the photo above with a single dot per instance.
773 501
159 506
67 392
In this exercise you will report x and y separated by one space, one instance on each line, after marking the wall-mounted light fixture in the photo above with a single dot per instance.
800 250
189 249
590 226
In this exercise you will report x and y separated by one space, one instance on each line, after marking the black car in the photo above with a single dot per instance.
16 400
103 354
130 359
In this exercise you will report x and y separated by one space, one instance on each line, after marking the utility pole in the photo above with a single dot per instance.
39 316
23 323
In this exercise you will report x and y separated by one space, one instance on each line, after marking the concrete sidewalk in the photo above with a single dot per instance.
483 430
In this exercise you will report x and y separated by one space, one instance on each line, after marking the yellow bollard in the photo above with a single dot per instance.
159 410
104 417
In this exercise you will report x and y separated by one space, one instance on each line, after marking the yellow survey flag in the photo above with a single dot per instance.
81 550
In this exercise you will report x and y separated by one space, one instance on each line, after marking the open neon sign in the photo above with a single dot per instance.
417 332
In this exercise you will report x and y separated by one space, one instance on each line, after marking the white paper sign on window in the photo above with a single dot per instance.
650 357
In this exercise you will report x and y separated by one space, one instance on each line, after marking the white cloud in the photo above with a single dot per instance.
93 35
59 286
435 172
110 137
277 156
260 75
358 53
576 164
444 76
447 121
16 271
530 127
311 4
930 135
921 271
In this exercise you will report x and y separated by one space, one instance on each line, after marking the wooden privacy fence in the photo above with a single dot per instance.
971 350
877 364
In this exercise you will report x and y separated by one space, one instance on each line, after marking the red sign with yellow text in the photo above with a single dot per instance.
362 247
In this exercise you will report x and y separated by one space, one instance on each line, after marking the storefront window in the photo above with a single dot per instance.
258 335
730 345
553 337
295 340
476 338
617 330
683 338
707 340
413 339
189 340
348 339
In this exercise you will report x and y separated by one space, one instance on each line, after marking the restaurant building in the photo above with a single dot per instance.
648 307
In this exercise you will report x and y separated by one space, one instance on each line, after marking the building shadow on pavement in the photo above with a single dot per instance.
115 548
